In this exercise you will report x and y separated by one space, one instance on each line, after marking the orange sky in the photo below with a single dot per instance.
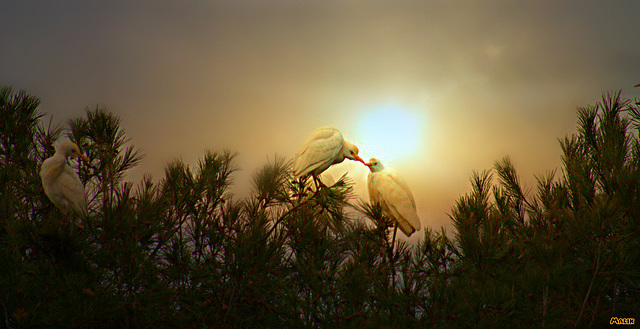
482 79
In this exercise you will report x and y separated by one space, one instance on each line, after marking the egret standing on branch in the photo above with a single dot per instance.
323 148
391 192
61 183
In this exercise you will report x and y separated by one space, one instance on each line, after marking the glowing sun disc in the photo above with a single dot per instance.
390 133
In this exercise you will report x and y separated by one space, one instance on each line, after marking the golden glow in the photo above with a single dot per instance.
390 133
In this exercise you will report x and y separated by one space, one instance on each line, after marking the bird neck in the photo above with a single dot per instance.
377 168
61 157
54 166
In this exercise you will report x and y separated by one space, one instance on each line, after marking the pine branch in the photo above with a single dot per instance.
596 269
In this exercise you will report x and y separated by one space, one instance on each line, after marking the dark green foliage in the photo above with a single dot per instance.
567 255
184 253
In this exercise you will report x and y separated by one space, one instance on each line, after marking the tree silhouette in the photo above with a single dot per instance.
182 252
567 255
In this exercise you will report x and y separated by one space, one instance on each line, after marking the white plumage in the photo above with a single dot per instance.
324 147
61 184
391 192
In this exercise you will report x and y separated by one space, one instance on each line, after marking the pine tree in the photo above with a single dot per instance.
182 252
568 255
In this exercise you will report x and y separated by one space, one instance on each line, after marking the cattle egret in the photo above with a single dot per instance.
61 184
323 148
391 192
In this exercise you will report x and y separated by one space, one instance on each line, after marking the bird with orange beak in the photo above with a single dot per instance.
323 148
61 183
391 192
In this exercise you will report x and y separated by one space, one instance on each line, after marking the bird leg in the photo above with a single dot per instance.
393 243
299 188
391 259
318 182
68 222
73 221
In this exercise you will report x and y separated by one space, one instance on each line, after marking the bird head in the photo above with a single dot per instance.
374 165
352 152
71 149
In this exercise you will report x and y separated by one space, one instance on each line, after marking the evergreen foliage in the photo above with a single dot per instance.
184 253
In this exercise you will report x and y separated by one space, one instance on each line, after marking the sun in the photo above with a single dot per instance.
390 132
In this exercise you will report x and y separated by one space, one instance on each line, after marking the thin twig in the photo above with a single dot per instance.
290 211
593 279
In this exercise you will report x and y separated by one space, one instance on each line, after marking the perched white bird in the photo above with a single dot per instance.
391 192
323 148
61 184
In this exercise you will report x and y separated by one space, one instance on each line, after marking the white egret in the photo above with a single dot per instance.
324 147
391 192
61 184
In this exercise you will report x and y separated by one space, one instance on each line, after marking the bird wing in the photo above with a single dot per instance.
318 151
402 183
394 196
50 173
73 190
372 184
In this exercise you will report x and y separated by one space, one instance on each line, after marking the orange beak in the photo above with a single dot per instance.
358 158
81 156
368 164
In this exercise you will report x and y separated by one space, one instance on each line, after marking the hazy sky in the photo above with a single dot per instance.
435 89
